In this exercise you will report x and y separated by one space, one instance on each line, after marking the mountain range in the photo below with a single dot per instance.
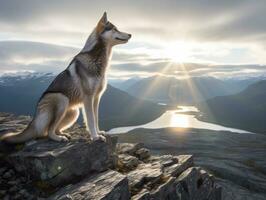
244 110
171 90
20 94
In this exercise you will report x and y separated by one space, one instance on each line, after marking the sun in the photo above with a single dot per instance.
177 52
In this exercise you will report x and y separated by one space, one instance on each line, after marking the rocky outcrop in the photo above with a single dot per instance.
82 169
55 164
165 177
109 185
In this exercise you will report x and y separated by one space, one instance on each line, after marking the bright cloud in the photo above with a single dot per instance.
213 34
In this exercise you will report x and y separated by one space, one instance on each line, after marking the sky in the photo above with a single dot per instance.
169 37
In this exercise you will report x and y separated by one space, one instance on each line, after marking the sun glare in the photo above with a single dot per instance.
178 52
179 120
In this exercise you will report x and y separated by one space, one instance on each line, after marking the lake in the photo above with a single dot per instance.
179 119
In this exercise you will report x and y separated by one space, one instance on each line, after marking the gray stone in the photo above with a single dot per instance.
144 174
128 148
126 162
196 184
8 174
165 190
2 170
143 153
2 193
184 162
14 182
53 164
142 195
13 189
109 185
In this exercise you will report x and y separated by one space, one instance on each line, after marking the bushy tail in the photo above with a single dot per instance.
24 136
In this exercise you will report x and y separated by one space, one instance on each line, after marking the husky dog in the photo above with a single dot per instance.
81 85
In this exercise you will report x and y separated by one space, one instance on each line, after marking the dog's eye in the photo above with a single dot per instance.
108 28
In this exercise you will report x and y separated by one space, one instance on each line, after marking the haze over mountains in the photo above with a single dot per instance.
171 90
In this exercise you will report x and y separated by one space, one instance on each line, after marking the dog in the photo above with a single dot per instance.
80 85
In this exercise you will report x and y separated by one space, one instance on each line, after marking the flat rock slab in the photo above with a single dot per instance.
144 174
54 164
109 185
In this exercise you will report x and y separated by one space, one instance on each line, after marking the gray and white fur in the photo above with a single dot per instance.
81 85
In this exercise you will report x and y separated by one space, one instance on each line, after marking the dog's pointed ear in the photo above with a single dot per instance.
101 24
104 18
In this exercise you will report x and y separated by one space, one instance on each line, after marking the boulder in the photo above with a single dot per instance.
50 163
143 153
126 162
128 148
133 149
108 185
143 175
156 179
195 183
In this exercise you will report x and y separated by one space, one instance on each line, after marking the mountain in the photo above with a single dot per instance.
20 94
124 84
182 91
245 110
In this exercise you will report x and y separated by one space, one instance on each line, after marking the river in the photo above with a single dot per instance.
179 119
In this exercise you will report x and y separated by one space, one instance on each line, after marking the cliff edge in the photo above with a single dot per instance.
82 169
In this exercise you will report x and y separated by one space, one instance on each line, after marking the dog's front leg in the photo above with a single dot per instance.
90 118
96 103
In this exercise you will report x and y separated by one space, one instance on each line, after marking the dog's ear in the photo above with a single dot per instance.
101 24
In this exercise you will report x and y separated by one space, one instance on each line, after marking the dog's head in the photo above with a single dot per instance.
109 32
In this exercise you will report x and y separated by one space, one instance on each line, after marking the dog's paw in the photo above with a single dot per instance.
68 136
99 137
101 133
63 138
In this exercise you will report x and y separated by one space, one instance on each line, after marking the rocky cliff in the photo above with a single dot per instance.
82 169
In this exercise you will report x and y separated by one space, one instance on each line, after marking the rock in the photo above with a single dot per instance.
7 197
142 195
165 190
158 176
145 174
81 169
13 189
54 164
143 153
2 193
128 148
8 174
14 182
2 170
179 164
195 183
109 185
126 162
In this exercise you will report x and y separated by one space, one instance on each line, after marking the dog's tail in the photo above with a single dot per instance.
24 136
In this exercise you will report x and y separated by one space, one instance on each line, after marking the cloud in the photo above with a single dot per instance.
201 20
18 56
213 32
34 56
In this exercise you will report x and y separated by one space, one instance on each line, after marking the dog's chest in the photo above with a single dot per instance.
95 84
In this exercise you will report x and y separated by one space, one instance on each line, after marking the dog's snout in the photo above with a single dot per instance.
129 35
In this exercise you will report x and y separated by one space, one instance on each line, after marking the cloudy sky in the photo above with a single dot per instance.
172 37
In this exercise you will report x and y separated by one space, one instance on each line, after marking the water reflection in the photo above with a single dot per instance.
178 119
